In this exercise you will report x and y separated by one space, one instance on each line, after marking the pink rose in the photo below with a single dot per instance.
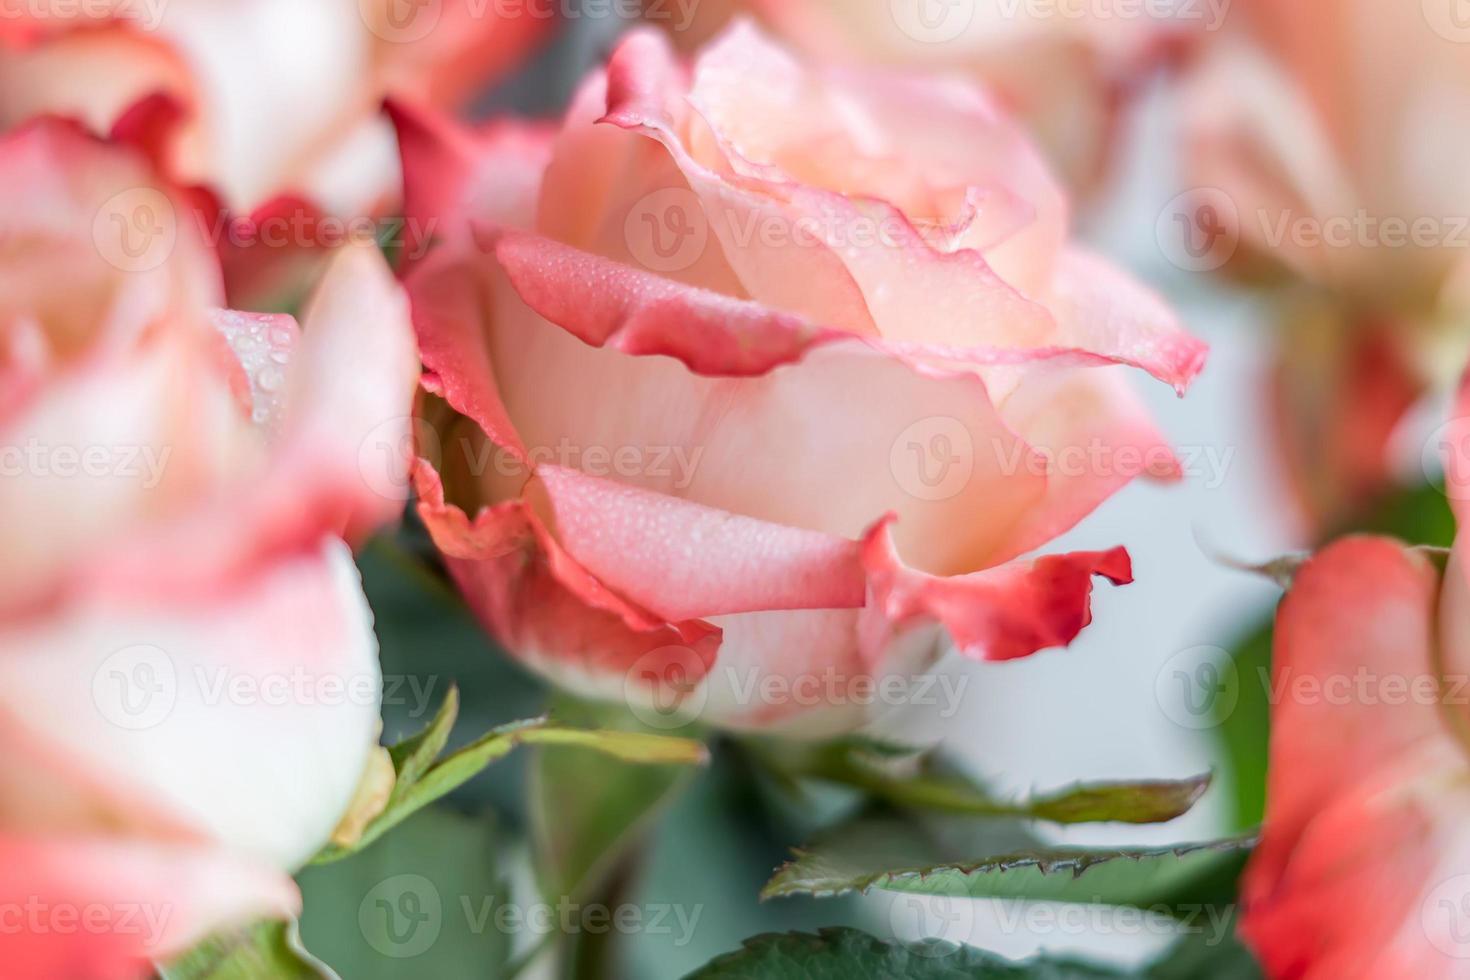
1067 68
1323 122
188 674
286 137
1321 139
1364 868
751 373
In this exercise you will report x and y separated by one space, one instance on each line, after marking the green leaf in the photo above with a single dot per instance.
414 756
268 949
426 902
847 954
1141 802
587 813
889 856
1418 515
453 771
914 779
1243 725
1209 951
412 759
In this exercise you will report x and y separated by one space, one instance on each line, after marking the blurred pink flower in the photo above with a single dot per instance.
1328 123
1323 137
1364 868
270 106
188 675
692 348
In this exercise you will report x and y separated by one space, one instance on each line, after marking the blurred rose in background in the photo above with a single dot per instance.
1368 760
189 683
271 108
1323 139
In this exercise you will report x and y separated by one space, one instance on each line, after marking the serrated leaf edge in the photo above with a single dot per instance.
1078 861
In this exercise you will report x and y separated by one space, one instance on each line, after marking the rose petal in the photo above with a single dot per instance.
933 449
464 46
756 233
452 175
1001 613
245 718
1103 311
1363 796
1095 436
350 390
541 603
683 561
626 309
103 451
106 909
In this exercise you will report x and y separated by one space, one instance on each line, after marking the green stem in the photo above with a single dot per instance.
593 956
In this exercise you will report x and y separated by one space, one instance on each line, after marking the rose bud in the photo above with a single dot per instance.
1364 865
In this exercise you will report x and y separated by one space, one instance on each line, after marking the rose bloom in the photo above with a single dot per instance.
188 674
1067 68
272 106
752 372
1364 867
1327 125
1323 136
